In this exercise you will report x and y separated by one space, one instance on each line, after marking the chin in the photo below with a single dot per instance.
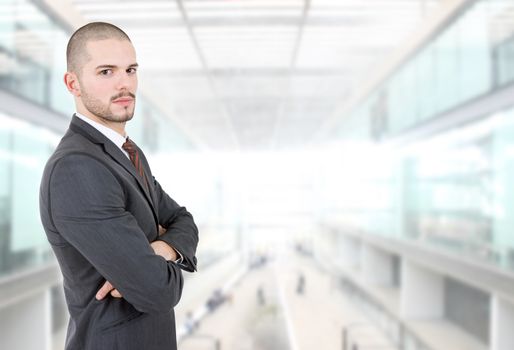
123 116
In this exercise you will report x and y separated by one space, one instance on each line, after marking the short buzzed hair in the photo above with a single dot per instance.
76 52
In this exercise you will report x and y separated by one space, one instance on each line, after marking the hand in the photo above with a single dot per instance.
106 288
165 250
162 230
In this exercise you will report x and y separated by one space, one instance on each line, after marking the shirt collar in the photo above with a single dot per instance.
112 135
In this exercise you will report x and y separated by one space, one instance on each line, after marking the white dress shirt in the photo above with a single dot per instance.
112 135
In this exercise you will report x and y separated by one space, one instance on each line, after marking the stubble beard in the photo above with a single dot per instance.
103 111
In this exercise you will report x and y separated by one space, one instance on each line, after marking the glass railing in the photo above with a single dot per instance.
453 191
391 325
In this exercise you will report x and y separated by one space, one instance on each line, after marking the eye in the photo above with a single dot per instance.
131 70
106 72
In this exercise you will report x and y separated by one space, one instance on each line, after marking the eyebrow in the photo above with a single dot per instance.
114 66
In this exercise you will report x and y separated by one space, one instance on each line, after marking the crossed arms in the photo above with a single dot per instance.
159 247
87 204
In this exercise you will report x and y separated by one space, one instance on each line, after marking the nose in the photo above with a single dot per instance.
126 82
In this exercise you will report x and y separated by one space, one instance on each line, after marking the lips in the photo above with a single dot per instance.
123 101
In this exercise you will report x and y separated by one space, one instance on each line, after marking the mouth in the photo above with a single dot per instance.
123 101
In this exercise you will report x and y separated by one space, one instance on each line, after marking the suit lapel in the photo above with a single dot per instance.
114 152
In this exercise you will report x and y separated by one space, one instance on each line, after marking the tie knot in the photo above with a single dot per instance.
129 146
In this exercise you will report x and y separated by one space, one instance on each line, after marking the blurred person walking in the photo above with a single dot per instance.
261 299
300 284
120 240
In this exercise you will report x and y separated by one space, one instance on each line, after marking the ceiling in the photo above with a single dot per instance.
257 74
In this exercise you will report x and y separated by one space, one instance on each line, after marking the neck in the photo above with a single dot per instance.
118 127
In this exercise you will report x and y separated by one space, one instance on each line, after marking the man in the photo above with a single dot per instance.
120 240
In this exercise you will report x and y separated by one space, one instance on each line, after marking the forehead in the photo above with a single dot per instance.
111 52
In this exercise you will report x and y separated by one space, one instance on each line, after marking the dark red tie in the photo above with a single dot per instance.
131 149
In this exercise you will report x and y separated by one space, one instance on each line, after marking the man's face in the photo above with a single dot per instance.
108 81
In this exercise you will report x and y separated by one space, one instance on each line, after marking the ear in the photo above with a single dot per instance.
72 83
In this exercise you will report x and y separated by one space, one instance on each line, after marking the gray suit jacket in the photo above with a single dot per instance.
100 220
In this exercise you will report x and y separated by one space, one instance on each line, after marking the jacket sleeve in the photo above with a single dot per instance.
181 231
87 206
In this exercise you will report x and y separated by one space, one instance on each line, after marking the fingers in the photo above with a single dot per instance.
106 289
115 293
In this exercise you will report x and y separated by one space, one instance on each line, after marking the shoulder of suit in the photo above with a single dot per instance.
76 144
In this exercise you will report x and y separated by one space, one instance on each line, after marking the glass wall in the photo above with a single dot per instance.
32 53
470 57
24 149
452 191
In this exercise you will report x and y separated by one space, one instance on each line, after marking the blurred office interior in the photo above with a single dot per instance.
348 163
